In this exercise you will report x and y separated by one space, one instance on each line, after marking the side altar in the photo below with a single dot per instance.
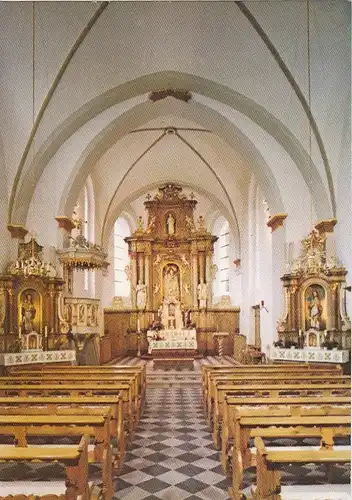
171 274
315 325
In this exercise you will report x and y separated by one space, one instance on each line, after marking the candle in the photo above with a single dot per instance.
138 325
19 332
45 331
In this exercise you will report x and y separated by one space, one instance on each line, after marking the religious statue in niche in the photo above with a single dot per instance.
141 295
140 223
202 295
170 225
201 223
29 317
190 224
315 297
81 314
171 282
151 224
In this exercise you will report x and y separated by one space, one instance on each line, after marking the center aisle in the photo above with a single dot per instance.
172 456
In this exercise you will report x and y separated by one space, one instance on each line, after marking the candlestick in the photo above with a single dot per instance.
138 325
19 332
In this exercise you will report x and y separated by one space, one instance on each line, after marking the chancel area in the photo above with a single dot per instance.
175 252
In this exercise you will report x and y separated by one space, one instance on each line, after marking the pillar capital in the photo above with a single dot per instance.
65 223
276 221
17 231
326 226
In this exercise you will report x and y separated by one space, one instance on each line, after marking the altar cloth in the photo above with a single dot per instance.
172 339
173 344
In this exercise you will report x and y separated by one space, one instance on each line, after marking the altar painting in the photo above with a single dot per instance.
315 307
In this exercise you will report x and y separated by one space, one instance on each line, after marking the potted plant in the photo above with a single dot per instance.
330 345
291 345
278 343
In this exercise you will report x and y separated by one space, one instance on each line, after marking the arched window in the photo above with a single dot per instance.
221 256
224 269
121 258
85 232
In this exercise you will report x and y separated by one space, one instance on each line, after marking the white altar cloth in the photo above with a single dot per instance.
172 339
309 355
173 344
33 357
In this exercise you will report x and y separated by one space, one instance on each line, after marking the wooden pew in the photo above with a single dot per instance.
325 428
96 426
269 478
139 371
271 390
265 379
63 378
216 375
73 405
209 372
76 390
288 406
75 459
221 390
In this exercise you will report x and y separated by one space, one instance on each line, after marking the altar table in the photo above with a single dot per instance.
34 357
173 340
309 355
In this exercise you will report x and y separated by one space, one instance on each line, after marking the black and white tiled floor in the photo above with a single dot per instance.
172 456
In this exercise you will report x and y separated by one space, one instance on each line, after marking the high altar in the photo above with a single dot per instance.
171 273
315 325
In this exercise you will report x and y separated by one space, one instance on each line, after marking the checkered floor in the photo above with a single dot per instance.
172 456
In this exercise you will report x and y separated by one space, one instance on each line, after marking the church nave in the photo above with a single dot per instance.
172 455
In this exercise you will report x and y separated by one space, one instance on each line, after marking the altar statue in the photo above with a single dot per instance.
141 295
171 314
170 224
202 295
316 310
28 313
171 284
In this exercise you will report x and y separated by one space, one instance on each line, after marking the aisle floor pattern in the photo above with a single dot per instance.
172 456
